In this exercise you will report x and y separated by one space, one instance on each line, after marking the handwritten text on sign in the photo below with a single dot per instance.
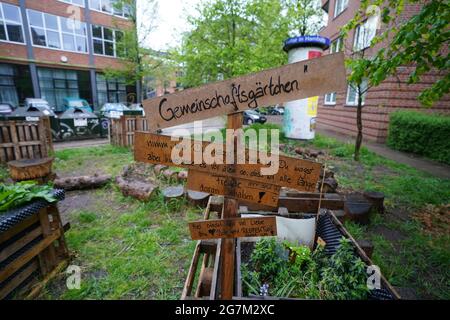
293 173
233 228
290 82
240 189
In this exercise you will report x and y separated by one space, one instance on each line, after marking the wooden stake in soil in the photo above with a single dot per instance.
230 210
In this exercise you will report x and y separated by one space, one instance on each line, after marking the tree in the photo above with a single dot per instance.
130 44
305 17
421 41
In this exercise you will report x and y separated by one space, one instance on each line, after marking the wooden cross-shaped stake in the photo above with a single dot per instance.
241 182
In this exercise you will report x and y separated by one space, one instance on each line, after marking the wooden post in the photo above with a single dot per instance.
230 210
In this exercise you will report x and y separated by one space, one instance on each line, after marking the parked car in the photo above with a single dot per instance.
40 104
251 116
262 111
276 110
113 110
71 103
6 108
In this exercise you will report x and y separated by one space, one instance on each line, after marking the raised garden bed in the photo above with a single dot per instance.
32 246
204 271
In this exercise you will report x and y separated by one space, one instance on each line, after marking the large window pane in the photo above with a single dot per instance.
97 32
67 25
69 42
78 2
80 28
14 32
2 31
81 44
53 39
108 34
51 22
95 4
38 36
109 48
60 84
35 18
106 6
98 46
11 13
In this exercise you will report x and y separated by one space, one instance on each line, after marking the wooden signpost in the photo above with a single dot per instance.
290 82
238 181
233 228
293 173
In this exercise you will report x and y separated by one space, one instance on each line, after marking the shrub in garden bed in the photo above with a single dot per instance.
289 271
15 195
420 133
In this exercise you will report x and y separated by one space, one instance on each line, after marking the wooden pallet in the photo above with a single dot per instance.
123 129
32 249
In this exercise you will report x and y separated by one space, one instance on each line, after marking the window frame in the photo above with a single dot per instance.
112 13
339 42
71 2
3 21
60 32
329 103
343 7
355 102
103 40
363 26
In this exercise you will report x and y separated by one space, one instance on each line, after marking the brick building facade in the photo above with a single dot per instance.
53 49
337 111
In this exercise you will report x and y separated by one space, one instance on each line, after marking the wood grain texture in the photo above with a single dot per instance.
290 82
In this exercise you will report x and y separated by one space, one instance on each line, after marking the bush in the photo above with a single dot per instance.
420 133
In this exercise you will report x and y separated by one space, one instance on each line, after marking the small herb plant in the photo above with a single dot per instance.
12 196
294 271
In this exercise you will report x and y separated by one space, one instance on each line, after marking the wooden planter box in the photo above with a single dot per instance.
32 246
205 262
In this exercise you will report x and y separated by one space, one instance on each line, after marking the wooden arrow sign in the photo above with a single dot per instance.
293 173
290 82
239 189
233 228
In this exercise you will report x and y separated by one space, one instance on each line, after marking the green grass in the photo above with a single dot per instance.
128 249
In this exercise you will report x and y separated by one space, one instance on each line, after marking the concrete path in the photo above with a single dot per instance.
434 168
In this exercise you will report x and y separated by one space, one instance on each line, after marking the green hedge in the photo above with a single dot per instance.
420 133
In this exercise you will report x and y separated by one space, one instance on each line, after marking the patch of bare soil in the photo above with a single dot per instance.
74 200
435 219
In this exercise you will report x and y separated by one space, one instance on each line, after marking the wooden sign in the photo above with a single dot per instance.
233 228
293 173
239 189
290 82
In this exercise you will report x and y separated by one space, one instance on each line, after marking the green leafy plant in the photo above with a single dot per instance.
295 271
420 133
12 196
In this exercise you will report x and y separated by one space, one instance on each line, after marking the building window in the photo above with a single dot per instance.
113 7
364 34
340 6
57 84
110 90
8 92
104 40
337 45
51 31
10 23
75 2
352 94
330 99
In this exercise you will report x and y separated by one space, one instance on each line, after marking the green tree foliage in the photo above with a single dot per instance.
130 46
235 37
421 41
305 17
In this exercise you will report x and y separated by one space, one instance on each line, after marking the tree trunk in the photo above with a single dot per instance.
82 182
359 125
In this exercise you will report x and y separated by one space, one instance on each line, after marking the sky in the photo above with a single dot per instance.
171 21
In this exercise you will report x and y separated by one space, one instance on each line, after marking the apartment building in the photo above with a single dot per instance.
53 49
337 110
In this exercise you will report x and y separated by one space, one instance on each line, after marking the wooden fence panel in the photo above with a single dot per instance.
21 139
123 129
